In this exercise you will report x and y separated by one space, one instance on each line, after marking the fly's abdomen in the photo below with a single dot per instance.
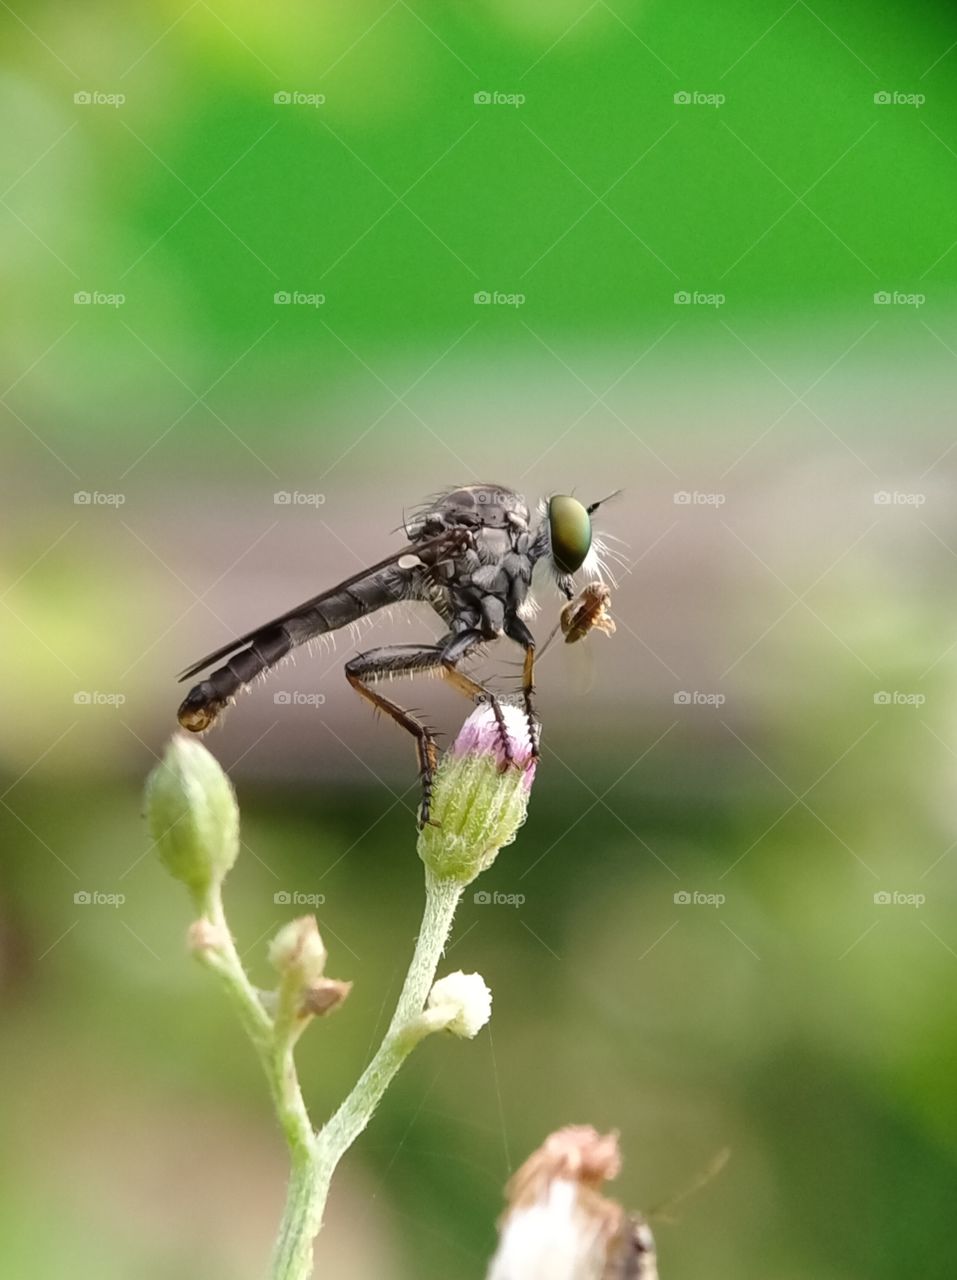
207 699
268 646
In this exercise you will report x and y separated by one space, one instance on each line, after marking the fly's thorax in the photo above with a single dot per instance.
491 583
475 506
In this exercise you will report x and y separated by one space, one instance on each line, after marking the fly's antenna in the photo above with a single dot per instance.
663 1211
595 505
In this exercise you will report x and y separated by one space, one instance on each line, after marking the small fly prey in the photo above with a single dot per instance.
470 555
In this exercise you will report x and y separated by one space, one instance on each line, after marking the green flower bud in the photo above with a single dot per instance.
480 795
298 951
193 816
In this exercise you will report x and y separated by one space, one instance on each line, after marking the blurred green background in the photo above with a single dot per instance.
718 248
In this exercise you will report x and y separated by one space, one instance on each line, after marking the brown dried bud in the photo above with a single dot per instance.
324 996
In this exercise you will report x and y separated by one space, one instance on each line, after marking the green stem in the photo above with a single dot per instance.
309 1185
275 1052
314 1156
339 1133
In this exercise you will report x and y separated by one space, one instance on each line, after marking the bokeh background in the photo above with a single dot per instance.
245 253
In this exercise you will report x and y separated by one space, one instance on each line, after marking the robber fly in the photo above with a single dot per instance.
470 555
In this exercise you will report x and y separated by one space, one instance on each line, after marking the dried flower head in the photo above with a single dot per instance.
559 1226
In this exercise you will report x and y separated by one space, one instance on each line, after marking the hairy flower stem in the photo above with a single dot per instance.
275 1053
311 1176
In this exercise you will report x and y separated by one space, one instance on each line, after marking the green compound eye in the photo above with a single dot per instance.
570 527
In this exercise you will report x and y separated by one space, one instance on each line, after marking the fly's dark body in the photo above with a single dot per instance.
470 555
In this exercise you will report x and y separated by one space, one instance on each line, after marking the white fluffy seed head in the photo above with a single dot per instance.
465 1000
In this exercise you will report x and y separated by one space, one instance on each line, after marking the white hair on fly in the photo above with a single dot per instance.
596 564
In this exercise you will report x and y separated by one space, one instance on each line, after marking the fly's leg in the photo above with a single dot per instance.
528 696
400 660
519 632
409 659
457 648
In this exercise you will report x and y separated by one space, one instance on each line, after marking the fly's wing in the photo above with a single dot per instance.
586 612
406 575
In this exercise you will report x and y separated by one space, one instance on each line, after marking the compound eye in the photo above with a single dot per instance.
570 527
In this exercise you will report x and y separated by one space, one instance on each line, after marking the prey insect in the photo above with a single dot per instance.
470 555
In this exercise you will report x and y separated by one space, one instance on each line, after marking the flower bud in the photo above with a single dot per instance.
460 1003
324 996
193 816
297 951
480 794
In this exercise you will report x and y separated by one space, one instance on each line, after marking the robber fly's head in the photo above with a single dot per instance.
565 538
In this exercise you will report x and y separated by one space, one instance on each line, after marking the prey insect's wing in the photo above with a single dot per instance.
401 576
